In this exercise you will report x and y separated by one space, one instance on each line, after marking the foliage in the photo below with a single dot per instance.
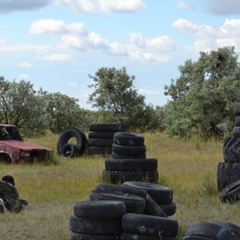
118 100
204 94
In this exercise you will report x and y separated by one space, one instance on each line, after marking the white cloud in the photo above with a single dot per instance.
25 65
184 4
57 57
23 77
145 91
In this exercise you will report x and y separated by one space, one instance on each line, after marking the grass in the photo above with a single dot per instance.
188 167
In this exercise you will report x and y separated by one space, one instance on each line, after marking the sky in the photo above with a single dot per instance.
57 44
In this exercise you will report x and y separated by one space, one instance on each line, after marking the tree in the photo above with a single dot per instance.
204 94
118 100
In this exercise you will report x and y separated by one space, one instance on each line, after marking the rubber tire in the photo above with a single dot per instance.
237 121
69 151
129 236
71 133
81 236
227 173
159 193
128 139
231 149
111 127
124 156
100 142
231 193
230 226
121 177
149 225
94 134
147 164
195 238
169 209
112 188
129 150
210 230
237 108
236 131
99 209
95 226
134 204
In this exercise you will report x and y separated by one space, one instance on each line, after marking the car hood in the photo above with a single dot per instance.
25 146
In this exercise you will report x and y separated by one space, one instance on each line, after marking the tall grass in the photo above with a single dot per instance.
188 167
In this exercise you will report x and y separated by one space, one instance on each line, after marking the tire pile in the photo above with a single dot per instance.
228 172
217 230
67 149
129 162
100 137
141 219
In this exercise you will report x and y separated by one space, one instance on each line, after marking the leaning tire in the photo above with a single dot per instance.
69 151
231 193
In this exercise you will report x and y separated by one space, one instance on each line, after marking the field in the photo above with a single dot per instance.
188 167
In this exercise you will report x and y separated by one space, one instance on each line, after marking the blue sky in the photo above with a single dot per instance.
57 44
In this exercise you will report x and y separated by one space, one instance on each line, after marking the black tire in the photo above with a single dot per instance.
99 209
147 164
95 226
237 121
236 131
94 134
209 230
69 151
100 142
111 127
152 208
231 149
149 225
72 133
124 156
81 236
227 173
231 193
195 238
159 193
130 236
134 204
129 150
112 188
92 150
120 176
230 226
169 209
128 139
237 108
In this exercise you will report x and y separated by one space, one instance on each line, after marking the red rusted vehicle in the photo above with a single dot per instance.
13 149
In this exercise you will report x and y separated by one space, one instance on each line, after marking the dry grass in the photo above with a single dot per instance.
188 167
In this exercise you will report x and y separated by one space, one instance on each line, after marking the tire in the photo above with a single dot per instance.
128 139
129 236
231 149
134 204
210 230
99 209
112 188
152 208
92 150
129 150
72 133
231 193
100 142
195 238
169 209
69 151
237 108
80 236
236 131
227 173
147 164
237 121
159 193
94 134
120 176
112 127
149 225
124 156
95 226
230 226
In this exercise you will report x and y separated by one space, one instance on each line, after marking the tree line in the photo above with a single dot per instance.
201 101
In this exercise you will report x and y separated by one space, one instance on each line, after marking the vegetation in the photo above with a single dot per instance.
188 167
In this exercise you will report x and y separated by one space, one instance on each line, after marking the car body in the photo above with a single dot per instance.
14 150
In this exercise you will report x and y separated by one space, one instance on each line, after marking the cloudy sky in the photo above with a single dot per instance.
57 44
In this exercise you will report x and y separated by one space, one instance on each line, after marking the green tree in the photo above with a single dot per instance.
117 99
202 98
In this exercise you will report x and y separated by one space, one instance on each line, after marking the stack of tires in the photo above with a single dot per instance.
97 220
71 143
228 172
100 137
217 230
129 162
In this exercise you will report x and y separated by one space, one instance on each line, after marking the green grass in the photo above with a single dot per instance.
188 167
